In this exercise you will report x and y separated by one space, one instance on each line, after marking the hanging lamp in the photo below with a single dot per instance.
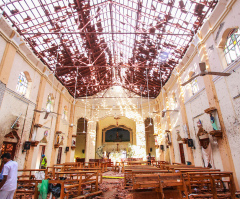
150 124
74 101
85 112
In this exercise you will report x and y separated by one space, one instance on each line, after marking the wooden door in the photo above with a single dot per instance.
59 155
182 153
8 147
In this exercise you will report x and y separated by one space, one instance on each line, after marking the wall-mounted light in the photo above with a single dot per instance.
26 146
190 143
162 147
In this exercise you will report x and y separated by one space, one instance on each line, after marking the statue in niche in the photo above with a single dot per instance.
213 122
206 146
61 143
58 138
179 138
44 139
73 143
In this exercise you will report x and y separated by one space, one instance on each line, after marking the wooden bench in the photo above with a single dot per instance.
137 163
159 182
29 174
29 188
129 170
212 184
90 177
90 169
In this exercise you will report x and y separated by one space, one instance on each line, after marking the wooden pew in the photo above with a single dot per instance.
87 180
30 188
137 163
28 174
215 182
128 174
27 188
159 182
90 169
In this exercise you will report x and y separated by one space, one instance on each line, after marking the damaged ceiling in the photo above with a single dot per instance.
93 45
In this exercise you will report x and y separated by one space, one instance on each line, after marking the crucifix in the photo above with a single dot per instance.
116 118
117 146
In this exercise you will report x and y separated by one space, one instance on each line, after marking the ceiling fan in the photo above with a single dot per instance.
46 113
204 72
164 111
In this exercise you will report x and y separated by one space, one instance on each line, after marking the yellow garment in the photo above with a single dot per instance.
44 162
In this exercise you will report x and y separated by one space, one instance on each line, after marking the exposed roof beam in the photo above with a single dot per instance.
108 66
112 97
106 85
110 33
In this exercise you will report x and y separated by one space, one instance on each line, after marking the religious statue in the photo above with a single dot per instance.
206 146
58 138
44 139
73 143
214 125
61 143
179 138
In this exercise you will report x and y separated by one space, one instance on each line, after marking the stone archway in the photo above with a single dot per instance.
80 151
149 136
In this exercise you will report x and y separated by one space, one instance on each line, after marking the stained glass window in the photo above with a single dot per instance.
49 105
232 47
65 111
194 85
22 84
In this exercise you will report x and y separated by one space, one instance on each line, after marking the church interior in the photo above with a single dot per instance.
126 99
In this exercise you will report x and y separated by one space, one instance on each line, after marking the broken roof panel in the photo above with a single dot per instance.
101 43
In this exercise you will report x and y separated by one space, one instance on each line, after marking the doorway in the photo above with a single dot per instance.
59 156
39 157
149 136
8 147
80 150
182 156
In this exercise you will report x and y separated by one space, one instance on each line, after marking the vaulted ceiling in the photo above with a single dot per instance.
91 45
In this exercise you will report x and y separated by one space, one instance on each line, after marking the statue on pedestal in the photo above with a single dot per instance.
206 145
179 138
214 125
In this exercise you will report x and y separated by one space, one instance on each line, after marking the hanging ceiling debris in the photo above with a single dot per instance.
111 42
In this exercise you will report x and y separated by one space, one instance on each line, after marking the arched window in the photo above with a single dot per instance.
50 101
194 83
22 84
232 46
174 98
65 112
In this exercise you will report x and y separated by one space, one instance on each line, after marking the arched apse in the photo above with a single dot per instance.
108 123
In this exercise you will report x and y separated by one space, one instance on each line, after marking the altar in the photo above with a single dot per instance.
117 156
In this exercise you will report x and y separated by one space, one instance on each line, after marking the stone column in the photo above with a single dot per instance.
91 141
53 155
184 115
223 142
169 127
36 116
70 133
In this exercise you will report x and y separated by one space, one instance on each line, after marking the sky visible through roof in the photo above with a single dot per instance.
103 43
